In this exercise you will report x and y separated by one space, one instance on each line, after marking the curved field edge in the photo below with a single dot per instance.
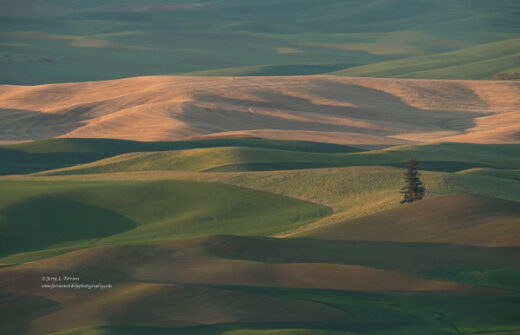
352 192
65 215
413 310
264 261
57 153
449 157
457 219
498 173
348 110
363 189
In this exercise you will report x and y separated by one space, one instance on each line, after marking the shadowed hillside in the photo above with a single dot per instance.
77 215
56 153
228 283
450 157
189 238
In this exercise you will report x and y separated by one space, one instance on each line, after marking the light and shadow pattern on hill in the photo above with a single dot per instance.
316 108
191 231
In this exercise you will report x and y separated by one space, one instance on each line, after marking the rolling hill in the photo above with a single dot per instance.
459 219
508 174
45 41
189 238
227 285
368 184
56 153
478 62
75 214
353 111
230 167
449 157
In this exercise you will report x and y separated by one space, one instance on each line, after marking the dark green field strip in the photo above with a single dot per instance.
408 314
506 278
58 153
275 70
441 166
444 157
367 314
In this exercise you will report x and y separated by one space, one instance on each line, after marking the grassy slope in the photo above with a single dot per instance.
441 157
144 206
459 219
479 62
75 214
359 191
352 192
507 174
57 153
254 37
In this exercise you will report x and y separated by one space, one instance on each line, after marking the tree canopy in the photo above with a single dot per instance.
413 189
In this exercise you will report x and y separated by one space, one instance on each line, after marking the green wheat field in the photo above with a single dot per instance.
248 184
48 41
245 236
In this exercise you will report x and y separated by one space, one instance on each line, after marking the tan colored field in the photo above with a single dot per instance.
459 219
360 111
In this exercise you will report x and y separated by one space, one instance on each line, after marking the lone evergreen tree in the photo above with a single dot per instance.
414 189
